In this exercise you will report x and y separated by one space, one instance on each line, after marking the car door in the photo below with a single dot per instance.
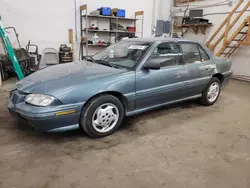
207 66
199 66
156 87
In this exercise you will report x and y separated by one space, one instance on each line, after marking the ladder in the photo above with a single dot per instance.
10 51
239 37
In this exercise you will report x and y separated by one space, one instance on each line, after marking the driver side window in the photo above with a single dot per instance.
168 54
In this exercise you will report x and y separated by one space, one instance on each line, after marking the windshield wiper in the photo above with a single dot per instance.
103 62
118 66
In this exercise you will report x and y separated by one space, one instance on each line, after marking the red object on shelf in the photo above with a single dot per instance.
131 29
100 42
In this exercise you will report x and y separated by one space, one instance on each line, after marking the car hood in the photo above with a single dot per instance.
50 79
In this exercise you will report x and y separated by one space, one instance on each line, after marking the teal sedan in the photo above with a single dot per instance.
127 78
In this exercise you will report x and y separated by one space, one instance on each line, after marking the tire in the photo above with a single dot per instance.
102 111
207 100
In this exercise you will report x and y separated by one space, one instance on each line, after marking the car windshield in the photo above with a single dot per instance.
122 55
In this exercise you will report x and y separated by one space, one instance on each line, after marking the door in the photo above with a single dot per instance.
156 87
199 66
207 67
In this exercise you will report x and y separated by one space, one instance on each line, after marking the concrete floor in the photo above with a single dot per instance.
185 145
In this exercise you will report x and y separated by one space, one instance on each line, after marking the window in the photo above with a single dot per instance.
203 53
168 54
190 52
122 55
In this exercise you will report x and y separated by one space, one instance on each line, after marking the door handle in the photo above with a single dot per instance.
210 68
207 69
177 75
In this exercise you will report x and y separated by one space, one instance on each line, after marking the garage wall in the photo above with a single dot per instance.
46 22
43 22
216 14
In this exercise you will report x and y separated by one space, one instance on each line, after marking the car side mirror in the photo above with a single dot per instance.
153 64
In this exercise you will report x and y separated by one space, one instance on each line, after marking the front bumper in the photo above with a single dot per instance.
46 119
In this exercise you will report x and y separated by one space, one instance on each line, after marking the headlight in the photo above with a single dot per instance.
39 99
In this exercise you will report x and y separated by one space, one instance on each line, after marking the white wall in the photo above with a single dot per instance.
241 63
46 22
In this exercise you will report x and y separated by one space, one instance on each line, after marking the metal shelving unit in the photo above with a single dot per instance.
108 31
139 17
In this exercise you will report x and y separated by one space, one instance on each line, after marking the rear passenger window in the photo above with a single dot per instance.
190 52
204 56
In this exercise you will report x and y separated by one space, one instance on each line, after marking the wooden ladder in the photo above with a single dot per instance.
237 39
241 35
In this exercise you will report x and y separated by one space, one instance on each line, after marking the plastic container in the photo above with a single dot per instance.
105 11
131 29
119 12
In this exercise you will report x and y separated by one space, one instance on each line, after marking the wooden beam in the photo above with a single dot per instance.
71 36
231 26
225 43
246 43
223 23
195 29
71 41
83 7
203 29
139 13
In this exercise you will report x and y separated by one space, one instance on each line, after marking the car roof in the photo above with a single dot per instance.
158 39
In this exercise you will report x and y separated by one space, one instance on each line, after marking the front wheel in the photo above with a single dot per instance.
212 92
102 116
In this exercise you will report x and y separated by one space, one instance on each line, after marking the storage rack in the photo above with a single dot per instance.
139 16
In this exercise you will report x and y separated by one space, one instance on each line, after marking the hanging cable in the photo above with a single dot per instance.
228 2
212 4
75 21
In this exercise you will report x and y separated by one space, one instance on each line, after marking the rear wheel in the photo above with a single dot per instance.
102 116
212 92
